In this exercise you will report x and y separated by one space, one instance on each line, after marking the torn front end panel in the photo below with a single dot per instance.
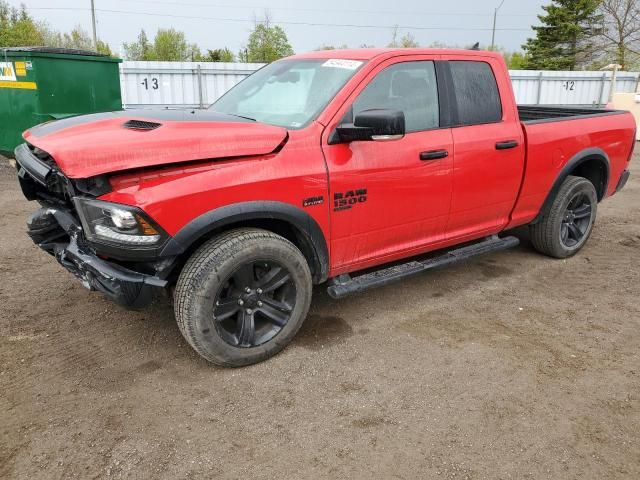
58 232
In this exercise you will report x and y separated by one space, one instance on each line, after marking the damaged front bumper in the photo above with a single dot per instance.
57 231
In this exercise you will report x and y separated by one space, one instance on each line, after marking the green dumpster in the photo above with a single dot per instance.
38 84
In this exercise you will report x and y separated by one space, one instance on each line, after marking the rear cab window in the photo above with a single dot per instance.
476 92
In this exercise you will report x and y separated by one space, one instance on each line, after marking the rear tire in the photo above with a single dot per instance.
242 297
566 227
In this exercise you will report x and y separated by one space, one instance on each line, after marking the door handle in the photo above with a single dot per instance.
506 144
434 155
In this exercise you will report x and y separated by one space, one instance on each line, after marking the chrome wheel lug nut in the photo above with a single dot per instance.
240 302
248 290
259 304
249 311
259 291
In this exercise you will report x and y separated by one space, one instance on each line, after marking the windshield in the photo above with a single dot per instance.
288 93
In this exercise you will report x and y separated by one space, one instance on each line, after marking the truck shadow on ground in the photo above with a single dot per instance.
326 325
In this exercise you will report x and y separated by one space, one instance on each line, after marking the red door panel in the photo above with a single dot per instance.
387 202
407 200
485 180
489 150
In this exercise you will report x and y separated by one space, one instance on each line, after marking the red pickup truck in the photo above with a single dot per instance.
355 167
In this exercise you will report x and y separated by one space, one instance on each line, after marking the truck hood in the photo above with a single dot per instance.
99 143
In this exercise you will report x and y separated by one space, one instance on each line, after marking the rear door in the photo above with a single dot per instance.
488 144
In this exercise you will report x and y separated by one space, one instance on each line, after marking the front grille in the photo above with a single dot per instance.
141 125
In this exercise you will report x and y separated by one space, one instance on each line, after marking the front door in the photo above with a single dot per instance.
391 198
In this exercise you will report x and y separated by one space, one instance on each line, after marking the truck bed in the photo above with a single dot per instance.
540 114
554 135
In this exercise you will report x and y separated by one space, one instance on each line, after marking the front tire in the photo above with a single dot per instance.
243 296
567 225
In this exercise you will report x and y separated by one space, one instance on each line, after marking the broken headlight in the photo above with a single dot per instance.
107 222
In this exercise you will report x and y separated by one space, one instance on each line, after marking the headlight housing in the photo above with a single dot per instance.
116 224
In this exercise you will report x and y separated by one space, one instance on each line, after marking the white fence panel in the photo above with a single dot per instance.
198 84
569 88
184 84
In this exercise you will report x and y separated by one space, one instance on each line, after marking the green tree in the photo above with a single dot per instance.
171 45
140 49
515 60
266 44
406 41
565 40
17 28
77 38
168 45
219 55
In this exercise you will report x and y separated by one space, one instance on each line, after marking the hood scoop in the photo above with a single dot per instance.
142 125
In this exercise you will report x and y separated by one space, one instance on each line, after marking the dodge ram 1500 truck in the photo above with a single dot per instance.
353 167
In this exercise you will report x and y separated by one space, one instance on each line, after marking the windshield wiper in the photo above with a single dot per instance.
242 116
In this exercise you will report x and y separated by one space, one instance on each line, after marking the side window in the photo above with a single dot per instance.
409 87
476 92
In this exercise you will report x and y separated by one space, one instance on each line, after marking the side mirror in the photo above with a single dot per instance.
377 125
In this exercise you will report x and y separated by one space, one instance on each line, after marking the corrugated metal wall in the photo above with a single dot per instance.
569 88
198 84
185 84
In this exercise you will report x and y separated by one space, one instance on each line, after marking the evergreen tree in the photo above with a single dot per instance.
564 41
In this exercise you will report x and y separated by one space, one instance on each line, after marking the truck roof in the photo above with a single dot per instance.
370 53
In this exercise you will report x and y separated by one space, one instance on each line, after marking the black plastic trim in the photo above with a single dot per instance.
124 286
218 219
565 114
624 177
35 167
434 155
446 95
141 125
344 285
575 161
507 144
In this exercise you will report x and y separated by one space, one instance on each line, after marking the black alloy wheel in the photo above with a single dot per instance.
577 220
568 221
242 296
254 304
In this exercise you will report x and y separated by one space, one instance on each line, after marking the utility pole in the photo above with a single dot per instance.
493 31
93 24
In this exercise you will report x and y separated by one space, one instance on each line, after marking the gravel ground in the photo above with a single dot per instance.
512 365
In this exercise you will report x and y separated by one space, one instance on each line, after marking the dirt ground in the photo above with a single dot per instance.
511 366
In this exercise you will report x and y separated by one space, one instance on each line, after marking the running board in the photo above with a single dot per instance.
344 285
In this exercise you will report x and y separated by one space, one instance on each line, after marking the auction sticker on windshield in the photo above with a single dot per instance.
339 63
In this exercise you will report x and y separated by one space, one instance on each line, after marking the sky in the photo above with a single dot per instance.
309 24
